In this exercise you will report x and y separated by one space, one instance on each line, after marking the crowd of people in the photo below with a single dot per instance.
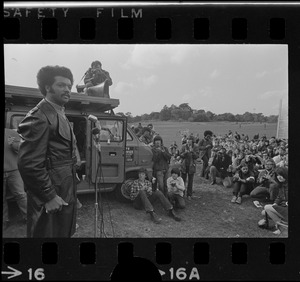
257 167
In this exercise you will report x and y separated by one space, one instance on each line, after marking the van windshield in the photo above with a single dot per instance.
111 130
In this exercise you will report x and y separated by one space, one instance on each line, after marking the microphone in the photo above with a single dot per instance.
96 131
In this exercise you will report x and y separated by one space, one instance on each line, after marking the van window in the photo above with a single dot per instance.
111 130
128 136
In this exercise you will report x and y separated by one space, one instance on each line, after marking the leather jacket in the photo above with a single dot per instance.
47 139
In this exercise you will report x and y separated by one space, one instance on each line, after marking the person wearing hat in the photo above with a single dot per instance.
220 166
161 159
268 187
175 185
143 196
189 154
205 145
95 75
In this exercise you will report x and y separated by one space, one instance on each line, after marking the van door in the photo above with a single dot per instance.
108 163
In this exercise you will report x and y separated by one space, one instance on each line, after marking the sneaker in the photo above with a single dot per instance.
257 204
155 218
239 200
277 232
173 215
233 199
262 222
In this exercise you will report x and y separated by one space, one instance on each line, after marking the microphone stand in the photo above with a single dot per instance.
96 196
97 164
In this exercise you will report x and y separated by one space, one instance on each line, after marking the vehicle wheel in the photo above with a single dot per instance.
122 190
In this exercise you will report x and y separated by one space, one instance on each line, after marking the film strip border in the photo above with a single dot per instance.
165 24
222 259
202 259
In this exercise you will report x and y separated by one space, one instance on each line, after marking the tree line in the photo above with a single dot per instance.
184 112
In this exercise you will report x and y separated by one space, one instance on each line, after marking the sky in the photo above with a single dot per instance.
146 77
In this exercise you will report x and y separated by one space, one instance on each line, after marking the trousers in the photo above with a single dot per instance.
12 180
263 192
142 201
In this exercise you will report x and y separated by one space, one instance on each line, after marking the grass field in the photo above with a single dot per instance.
171 131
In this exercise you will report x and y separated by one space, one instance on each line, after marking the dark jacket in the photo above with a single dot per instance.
189 159
97 76
161 159
222 164
203 150
46 157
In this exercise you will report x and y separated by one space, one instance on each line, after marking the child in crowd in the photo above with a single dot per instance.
176 188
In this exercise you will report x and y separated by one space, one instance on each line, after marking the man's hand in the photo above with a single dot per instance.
55 205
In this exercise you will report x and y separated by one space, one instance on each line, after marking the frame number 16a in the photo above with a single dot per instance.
182 273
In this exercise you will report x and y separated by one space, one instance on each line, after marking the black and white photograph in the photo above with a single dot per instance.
145 141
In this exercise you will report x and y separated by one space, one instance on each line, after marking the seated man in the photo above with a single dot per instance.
146 136
143 196
220 166
96 75
243 183
176 187
278 212
268 187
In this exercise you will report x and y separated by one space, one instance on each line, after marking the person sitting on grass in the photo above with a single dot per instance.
278 212
143 196
220 166
267 189
238 161
243 183
176 188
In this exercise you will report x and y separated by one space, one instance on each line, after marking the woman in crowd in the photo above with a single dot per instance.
278 212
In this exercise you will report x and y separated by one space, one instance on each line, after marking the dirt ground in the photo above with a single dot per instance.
209 214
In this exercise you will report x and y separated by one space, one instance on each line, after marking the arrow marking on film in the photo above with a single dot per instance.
13 273
161 272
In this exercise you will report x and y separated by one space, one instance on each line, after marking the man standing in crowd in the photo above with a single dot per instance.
189 154
205 145
161 158
12 179
95 75
47 158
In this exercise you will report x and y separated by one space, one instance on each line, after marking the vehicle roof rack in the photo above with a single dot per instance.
27 96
